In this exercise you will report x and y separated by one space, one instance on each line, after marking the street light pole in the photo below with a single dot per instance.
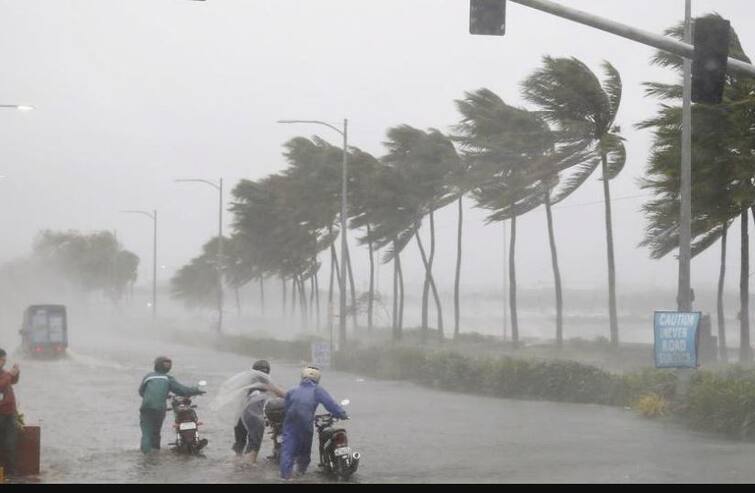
344 245
219 261
154 266
152 215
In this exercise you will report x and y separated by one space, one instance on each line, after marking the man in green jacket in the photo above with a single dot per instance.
154 391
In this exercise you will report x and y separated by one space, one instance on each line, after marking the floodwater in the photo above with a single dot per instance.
87 407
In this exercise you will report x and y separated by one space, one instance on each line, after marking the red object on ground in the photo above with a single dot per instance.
28 451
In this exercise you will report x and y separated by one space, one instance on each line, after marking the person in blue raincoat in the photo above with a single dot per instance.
298 425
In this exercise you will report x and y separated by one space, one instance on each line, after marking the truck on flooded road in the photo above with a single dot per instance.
44 331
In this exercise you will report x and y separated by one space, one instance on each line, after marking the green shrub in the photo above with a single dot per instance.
722 401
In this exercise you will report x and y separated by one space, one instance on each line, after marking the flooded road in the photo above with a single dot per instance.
87 406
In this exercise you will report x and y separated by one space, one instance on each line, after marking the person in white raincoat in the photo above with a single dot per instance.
246 393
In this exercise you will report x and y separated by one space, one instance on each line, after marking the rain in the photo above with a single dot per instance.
444 241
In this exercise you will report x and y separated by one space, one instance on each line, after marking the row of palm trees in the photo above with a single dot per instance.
509 160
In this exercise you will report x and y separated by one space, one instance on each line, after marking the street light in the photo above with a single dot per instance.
342 279
219 187
19 107
152 215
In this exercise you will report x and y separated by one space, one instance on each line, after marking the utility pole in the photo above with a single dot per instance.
684 300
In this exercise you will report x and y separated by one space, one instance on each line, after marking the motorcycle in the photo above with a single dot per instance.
186 424
336 457
275 410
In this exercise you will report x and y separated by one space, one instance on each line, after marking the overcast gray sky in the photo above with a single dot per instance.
131 94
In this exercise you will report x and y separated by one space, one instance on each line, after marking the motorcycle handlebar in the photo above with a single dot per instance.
329 416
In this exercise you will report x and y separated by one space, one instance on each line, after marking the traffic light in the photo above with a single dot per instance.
709 61
487 17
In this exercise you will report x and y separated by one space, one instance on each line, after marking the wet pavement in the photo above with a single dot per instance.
87 407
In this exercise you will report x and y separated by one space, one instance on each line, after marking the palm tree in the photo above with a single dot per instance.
570 96
363 170
196 283
425 159
391 211
278 227
315 172
515 163
489 135
459 184
93 261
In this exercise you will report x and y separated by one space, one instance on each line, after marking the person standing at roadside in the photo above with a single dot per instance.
8 414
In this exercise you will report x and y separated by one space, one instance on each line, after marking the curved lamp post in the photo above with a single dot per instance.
152 215
342 280
219 187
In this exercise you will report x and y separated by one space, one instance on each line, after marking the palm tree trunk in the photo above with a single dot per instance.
425 261
316 279
458 271
238 301
556 273
426 285
425 293
283 282
396 334
722 353
352 289
293 297
262 295
312 294
303 303
432 280
745 351
611 267
401 298
333 267
512 285
372 282
438 306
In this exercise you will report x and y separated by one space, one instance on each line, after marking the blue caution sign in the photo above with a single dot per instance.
676 339
321 356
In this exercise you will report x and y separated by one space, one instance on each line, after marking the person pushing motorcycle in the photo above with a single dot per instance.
298 425
154 391
251 424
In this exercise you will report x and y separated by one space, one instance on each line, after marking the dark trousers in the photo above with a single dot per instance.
8 442
239 433
151 422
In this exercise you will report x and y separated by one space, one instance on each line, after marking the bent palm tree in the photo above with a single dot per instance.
584 109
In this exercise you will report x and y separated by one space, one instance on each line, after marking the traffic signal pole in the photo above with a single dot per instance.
683 49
